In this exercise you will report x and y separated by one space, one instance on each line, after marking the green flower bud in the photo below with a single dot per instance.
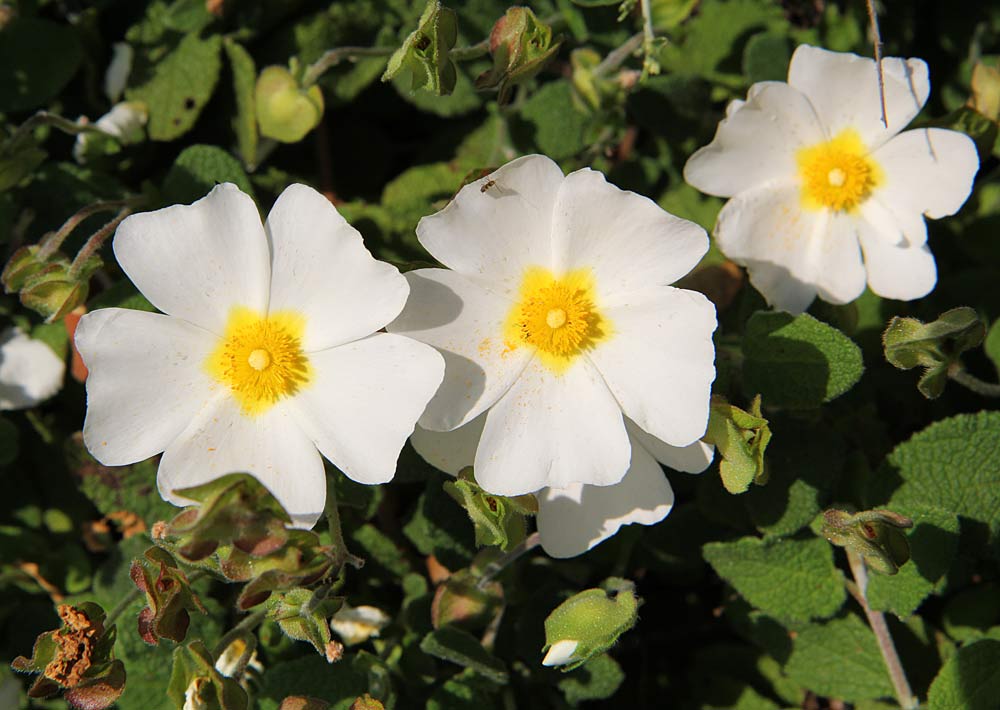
520 44
23 264
875 535
589 623
169 597
741 439
497 520
286 111
195 684
304 615
424 54
56 289
934 346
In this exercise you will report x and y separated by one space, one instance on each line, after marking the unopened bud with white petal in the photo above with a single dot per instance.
589 623
561 653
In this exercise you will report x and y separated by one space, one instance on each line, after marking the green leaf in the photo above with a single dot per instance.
340 683
970 680
451 644
787 579
441 528
797 361
933 543
839 659
551 123
597 679
198 169
244 120
178 86
766 57
970 614
466 691
376 547
37 59
992 344
953 464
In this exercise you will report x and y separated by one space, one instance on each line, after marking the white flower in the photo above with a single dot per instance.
357 624
825 196
560 653
267 351
124 122
116 77
576 518
30 372
556 316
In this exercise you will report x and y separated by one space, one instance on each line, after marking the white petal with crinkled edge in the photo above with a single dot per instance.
926 171
843 88
364 400
270 446
767 230
574 519
693 458
497 233
464 321
627 240
30 372
146 381
322 270
841 276
896 270
553 430
198 261
659 361
449 451
756 142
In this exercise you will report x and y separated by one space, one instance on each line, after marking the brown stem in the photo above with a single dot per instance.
877 41
876 620
500 564
95 242
53 240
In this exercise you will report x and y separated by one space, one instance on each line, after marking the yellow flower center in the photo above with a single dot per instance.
260 358
556 316
837 174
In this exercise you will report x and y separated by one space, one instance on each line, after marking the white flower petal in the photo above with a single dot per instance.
927 171
116 76
627 240
357 624
198 261
843 88
841 278
364 401
756 142
322 270
768 231
496 233
30 372
146 381
553 430
560 654
659 361
575 519
270 446
464 321
693 458
896 270
449 451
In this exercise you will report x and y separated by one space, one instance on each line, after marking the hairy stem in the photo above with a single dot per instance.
95 242
501 563
333 57
877 42
618 55
248 624
53 240
986 389
336 534
876 620
649 65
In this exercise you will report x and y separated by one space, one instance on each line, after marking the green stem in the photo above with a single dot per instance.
53 240
649 65
876 620
501 563
619 55
247 625
95 241
342 556
986 389
473 51
44 118
333 57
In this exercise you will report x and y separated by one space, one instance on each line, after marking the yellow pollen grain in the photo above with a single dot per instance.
260 358
838 174
555 315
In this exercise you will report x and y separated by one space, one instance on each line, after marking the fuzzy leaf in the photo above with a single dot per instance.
839 659
787 579
451 644
970 680
198 169
37 58
797 361
244 120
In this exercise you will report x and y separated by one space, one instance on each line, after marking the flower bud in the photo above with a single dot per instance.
286 111
589 623
195 684
741 439
497 521
424 54
55 290
24 263
875 535
520 44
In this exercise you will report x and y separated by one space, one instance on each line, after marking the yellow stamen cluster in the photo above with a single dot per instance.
260 358
837 174
555 315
